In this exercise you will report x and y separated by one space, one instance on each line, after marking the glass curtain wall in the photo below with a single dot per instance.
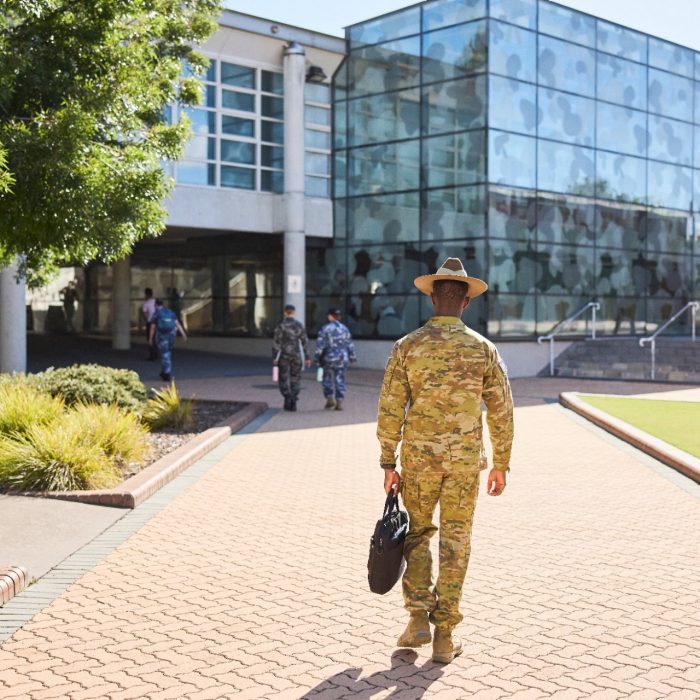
557 154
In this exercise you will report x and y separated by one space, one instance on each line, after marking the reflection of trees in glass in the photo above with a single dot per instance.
602 189
475 52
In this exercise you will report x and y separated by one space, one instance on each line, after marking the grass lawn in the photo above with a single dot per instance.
675 422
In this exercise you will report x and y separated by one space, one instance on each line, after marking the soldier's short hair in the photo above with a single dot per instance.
290 307
451 290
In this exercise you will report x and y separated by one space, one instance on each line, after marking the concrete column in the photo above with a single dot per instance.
295 232
13 321
121 304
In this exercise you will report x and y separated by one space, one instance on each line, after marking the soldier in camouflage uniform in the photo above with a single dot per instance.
290 350
334 349
431 400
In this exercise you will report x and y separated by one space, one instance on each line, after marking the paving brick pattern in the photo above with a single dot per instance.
251 583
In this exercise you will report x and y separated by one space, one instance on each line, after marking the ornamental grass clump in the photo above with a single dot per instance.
23 406
167 409
120 435
54 457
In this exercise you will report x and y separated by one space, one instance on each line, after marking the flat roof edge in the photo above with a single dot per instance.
285 32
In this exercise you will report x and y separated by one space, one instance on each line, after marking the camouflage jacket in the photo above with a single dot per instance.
334 347
434 385
290 340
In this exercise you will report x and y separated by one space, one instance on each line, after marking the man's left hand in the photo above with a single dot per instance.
496 483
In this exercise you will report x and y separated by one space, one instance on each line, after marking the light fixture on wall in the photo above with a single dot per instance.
315 74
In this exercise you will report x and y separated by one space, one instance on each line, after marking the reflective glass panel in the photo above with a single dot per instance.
696 118
395 115
239 76
621 129
210 96
210 75
340 81
240 178
622 81
456 212
387 167
272 131
272 181
668 232
237 151
272 82
317 92
564 168
272 156
391 66
565 269
513 51
385 219
511 266
237 126
340 124
565 220
669 185
510 315
522 12
385 28
317 139
621 226
563 22
566 117
200 148
671 95
621 41
670 140
340 174
190 173
566 66
511 159
670 279
620 177
670 57
512 105
317 163
203 122
272 107
315 115
450 53
242 101
457 159
316 186
615 276
443 13
455 105
512 214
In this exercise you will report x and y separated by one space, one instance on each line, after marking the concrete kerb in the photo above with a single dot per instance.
13 580
143 485
668 454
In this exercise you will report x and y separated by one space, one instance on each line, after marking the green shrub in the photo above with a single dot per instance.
167 409
94 384
120 435
23 405
54 458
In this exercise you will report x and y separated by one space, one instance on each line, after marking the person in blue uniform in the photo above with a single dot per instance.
334 350
164 327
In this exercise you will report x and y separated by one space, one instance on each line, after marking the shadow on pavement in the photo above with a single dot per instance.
406 678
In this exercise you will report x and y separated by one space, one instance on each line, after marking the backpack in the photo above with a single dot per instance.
166 321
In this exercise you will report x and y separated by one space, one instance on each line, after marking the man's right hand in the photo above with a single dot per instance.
392 480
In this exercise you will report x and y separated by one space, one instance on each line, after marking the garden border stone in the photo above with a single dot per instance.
13 580
668 454
138 488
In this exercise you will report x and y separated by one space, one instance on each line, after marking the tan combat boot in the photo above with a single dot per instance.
445 647
330 402
339 405
417 632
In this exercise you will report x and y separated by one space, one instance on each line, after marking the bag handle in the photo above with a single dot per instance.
391 503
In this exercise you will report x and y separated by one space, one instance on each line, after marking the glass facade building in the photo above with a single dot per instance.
556 154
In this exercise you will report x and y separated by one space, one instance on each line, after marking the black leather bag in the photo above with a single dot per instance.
386 563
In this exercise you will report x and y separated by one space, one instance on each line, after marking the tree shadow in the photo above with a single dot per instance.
408 680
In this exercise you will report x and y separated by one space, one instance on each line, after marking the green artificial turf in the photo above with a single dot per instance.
675 422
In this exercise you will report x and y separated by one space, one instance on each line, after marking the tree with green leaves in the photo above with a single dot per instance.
83 86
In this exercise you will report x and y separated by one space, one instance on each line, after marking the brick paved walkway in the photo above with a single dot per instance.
583 583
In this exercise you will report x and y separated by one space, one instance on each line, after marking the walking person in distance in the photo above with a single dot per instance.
164 328
290 351
334 350
431 400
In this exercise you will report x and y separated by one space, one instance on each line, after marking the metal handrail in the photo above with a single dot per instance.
693 306
593 305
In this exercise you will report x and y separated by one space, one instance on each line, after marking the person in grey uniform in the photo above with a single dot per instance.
290 351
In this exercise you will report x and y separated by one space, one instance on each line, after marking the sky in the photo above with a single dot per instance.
675 20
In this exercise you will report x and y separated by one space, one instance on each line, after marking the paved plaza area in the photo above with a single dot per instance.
251 581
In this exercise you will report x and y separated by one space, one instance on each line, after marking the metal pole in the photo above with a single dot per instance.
693 311
653 359
594 310
551 357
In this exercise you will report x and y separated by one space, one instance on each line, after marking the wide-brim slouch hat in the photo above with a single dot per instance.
453 270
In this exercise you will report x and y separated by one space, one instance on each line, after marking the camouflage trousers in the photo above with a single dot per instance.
334 382
165 350
456 493
290 377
